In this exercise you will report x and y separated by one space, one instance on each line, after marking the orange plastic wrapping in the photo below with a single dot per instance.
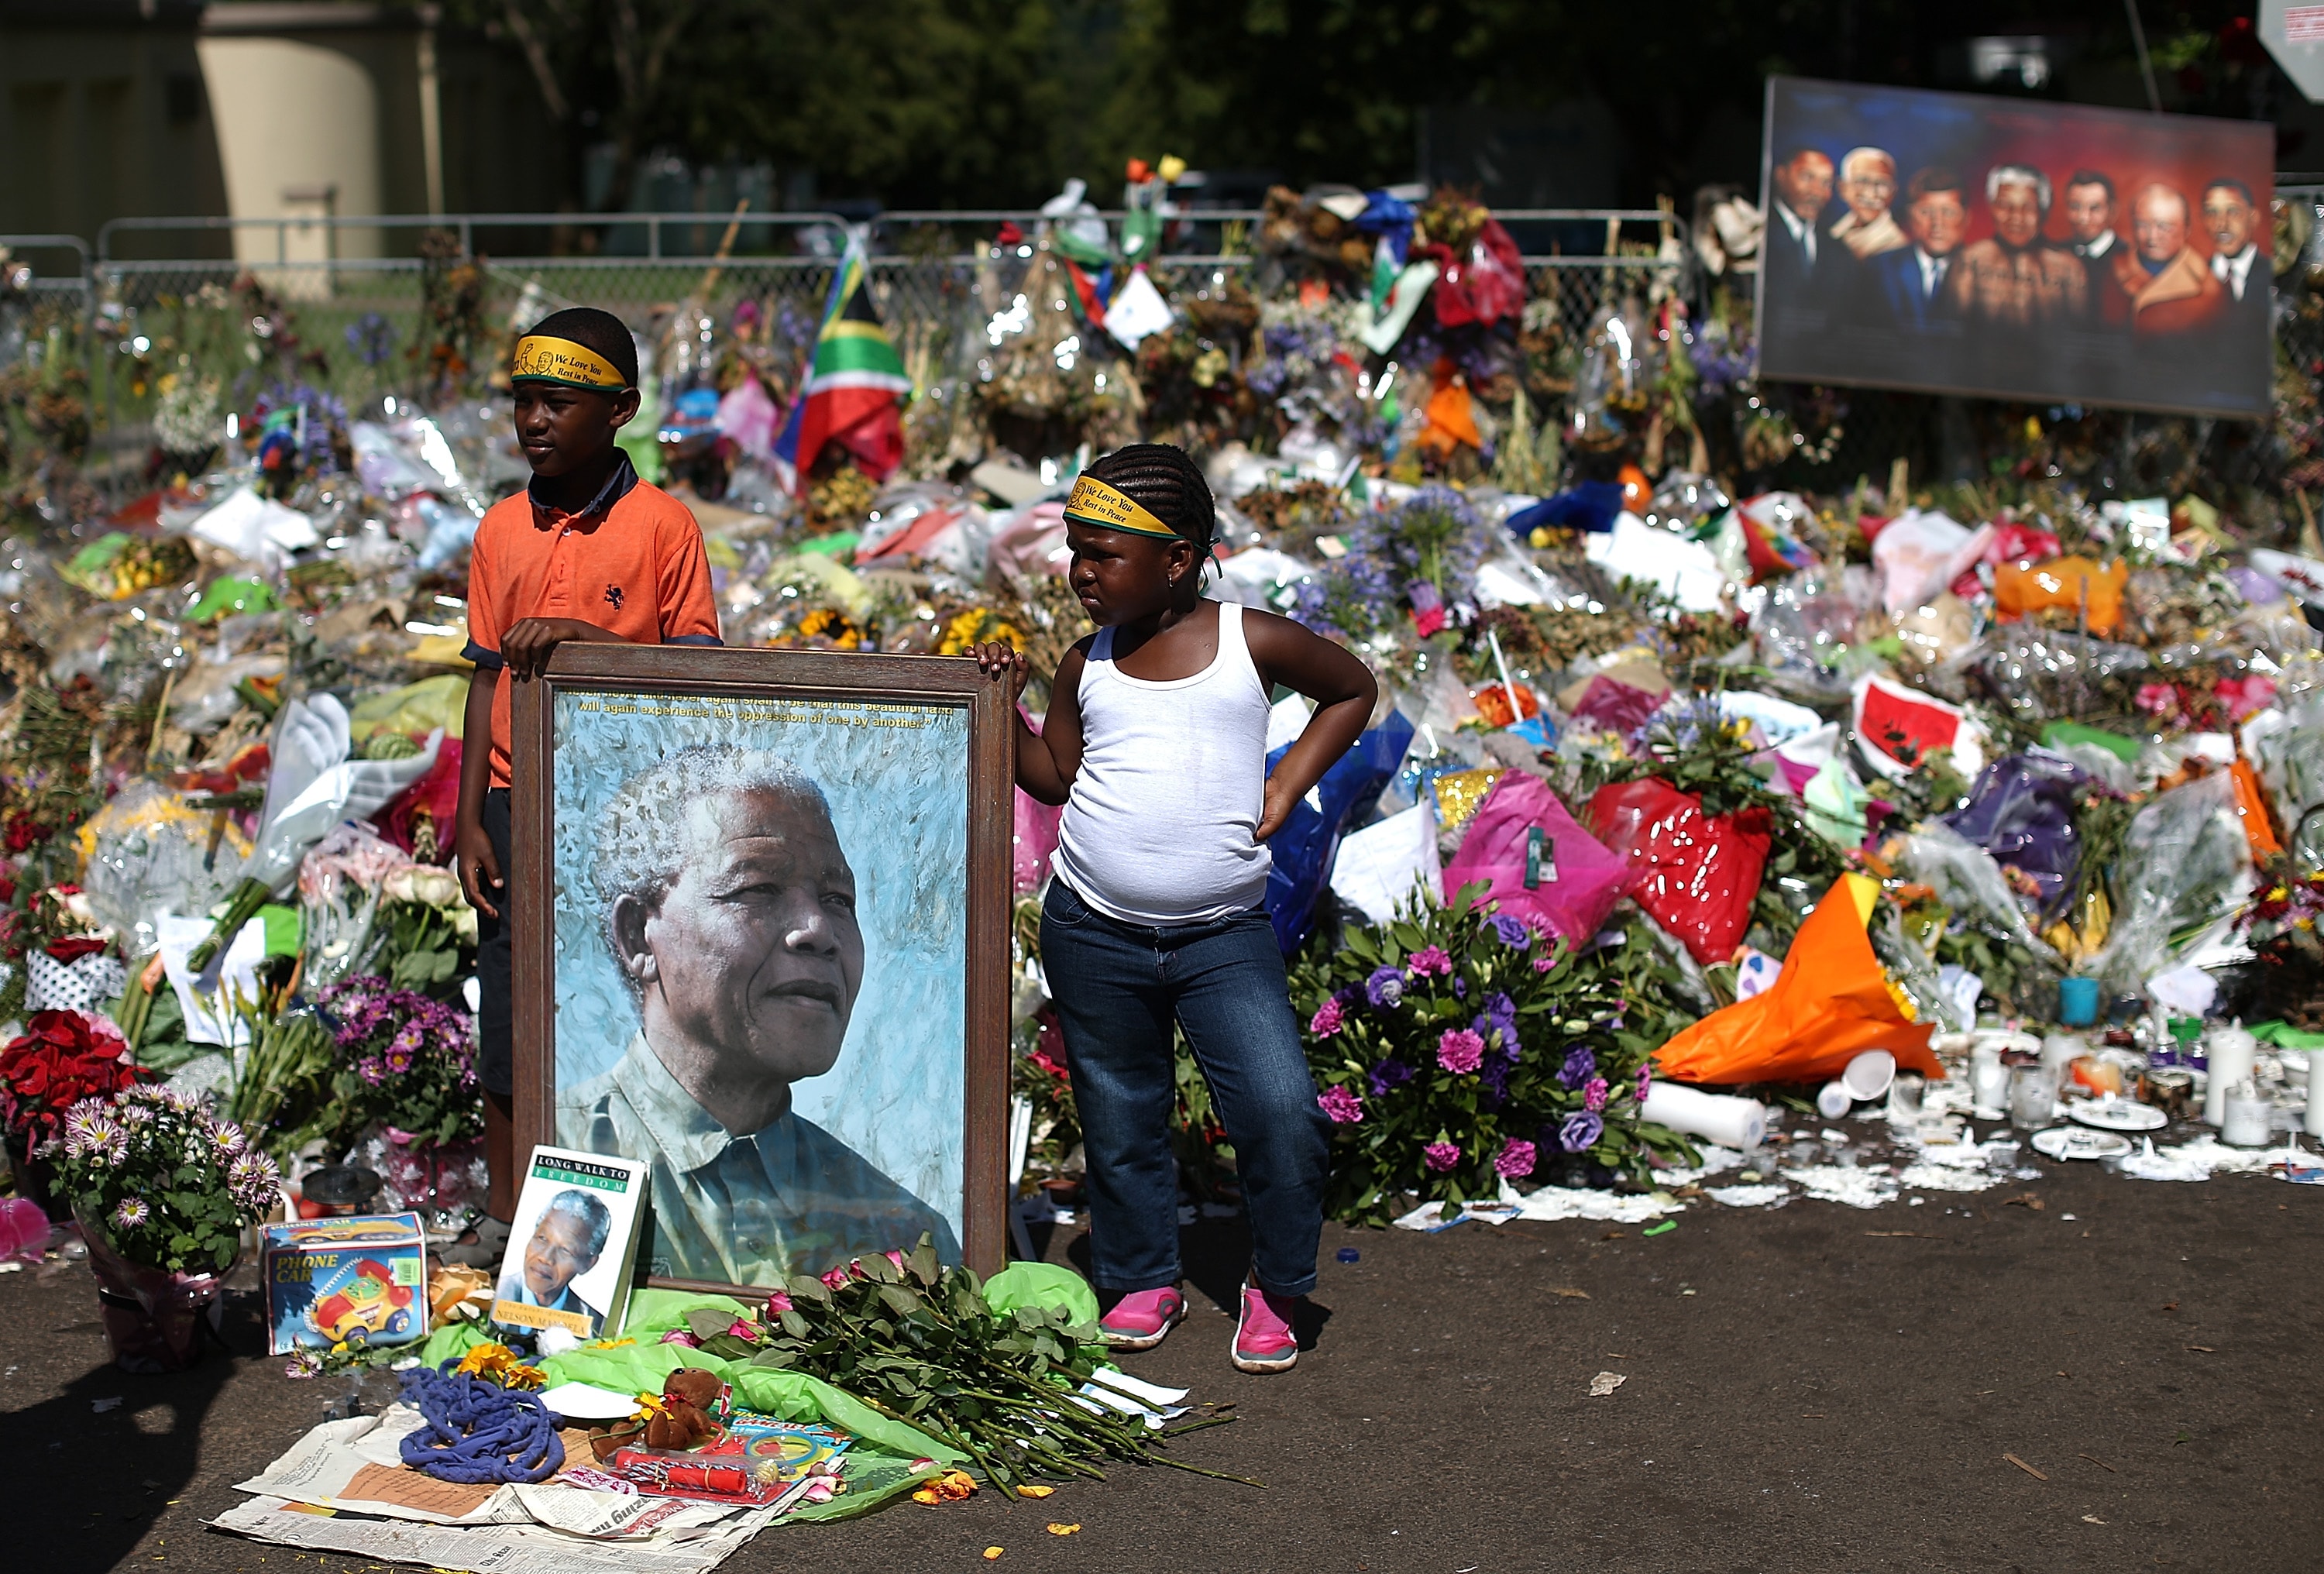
2062 584
2251 804
1828 1005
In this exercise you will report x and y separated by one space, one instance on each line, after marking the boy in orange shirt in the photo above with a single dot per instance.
588 551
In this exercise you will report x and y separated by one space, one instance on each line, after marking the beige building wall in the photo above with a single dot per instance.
298 130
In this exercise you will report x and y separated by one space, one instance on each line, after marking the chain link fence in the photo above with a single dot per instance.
364 325
360 327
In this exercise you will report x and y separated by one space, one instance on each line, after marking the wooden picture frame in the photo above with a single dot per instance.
632 708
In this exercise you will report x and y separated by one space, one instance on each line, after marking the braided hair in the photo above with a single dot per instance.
1167 484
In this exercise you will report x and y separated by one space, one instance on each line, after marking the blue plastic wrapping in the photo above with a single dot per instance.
1310 838
2022 811
1590 506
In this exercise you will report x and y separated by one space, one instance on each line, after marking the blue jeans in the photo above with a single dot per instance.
1118 989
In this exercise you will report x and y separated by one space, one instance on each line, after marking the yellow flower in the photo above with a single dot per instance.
832 624
972 627
499 1364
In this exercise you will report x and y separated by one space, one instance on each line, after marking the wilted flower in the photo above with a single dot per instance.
1580 1132
1385 988
1328 1018
1460 1051
1515 1160
1343 1107
1441 1157
1580 1065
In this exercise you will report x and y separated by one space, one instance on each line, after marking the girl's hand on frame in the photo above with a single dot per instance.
998 657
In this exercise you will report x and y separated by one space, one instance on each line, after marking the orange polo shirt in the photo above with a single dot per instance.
632 563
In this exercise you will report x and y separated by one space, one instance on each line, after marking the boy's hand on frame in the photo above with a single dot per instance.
526 648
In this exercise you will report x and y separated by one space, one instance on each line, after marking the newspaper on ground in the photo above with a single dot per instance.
491 1549
344 1488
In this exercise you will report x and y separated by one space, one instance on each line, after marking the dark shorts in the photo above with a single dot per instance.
495 1048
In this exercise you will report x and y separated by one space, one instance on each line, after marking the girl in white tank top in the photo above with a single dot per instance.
1156 744
1161 823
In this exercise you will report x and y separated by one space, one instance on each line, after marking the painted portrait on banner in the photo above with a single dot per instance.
2016 250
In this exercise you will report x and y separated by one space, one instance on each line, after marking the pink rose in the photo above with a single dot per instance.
778 1303
836 1279
678 1335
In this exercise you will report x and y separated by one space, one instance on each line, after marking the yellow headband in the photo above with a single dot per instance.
542 359
1098 506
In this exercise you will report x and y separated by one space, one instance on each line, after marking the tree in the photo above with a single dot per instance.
603 65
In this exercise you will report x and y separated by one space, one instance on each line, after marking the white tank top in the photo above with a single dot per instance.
1159 826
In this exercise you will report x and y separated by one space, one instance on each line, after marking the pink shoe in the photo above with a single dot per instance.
1263 1340
1141 1320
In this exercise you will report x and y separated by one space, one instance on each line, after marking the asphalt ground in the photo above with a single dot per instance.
2127 1376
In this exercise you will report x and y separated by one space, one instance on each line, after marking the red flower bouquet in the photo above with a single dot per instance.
63 1057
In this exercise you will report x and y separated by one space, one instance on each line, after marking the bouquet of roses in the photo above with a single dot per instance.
1457 1049
63 1058
162 1182
406 1062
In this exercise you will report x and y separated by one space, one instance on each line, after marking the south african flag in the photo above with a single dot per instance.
852 388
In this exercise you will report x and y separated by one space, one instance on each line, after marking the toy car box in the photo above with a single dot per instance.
359 1280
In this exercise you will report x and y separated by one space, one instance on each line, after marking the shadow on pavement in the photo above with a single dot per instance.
95 1479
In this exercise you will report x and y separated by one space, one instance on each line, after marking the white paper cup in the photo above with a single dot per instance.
1867 1076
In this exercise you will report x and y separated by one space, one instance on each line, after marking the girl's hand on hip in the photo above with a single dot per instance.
1275 808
